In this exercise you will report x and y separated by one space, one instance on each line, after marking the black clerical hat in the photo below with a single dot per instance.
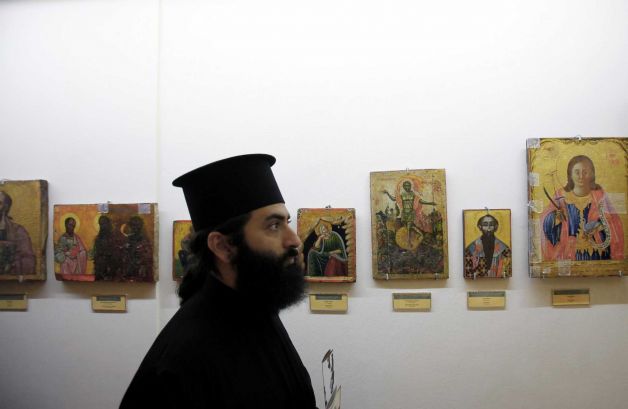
228 188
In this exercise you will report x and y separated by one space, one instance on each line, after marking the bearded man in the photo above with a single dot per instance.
487 256
226 346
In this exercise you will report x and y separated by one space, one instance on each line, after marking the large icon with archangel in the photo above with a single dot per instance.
106 242
409 224
23 229
328 237
577 210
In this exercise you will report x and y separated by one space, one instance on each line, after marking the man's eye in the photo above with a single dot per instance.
274 226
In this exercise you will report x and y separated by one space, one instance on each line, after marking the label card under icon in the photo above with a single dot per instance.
486 300
13 302
412 301
109 303
329 302
577 297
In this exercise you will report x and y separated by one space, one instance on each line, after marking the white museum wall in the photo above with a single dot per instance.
78 92
112 100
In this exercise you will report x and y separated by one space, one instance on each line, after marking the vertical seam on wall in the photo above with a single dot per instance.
158 157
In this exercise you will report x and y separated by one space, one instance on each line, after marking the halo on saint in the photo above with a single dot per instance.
322 222
66 216
414 182
124 229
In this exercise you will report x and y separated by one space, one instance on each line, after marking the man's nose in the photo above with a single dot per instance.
291 239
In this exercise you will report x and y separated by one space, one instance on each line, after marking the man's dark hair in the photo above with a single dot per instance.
201 261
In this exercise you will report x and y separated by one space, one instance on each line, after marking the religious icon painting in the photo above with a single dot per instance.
577 216
23 230
106 242
487 243
182 231
328 237
409 224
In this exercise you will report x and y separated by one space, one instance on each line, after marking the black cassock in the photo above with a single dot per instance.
219 352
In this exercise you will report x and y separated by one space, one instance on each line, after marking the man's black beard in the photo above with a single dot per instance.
488 244
267 280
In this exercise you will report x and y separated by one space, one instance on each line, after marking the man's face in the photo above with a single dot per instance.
488 225
407 186
268 263
268 231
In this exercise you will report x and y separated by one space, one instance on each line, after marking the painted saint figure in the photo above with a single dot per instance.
70 252
138 252
487 256
328 256
410 214
581 223
185 248
16 250
107 251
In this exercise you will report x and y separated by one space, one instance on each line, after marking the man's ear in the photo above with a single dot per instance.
219 244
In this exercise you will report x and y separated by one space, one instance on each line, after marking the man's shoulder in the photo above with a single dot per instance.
183 337
477 243
18 228
18 232
500 245
193 320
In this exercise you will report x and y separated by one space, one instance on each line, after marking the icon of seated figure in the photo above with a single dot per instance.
328 255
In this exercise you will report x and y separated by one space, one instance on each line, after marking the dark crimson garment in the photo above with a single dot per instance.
219 352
